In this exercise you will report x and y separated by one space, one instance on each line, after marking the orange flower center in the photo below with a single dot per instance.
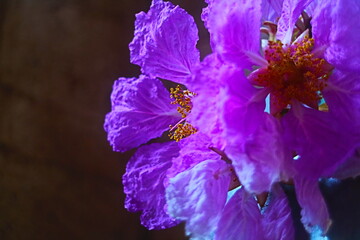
293 73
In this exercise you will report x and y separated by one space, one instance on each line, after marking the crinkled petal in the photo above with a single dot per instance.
240 219
205 13
234 27
165 42
141 110
314 210
320 141
193 150
258 158
277 219
254 143
342 96
198 196
334 25
208 102
290 14
143 183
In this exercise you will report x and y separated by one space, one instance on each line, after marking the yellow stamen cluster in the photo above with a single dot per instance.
293 72
183 98
182 130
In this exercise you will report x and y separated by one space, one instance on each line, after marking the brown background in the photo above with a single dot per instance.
59 178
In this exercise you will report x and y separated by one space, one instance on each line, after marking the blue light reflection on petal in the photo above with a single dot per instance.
231 193
316 234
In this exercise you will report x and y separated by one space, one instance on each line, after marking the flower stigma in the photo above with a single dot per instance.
182 129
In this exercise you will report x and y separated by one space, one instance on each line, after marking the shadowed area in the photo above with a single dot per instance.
59 178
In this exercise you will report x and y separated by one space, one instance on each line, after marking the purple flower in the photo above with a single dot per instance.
278 101
289 114
142 108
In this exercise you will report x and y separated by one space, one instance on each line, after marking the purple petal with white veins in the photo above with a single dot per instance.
208 102
342 96
143 184
314 210
258 158
193 150
140 111
271 9
334 26
165 42
277 219
312 8
240 219
321 142
234 27
198 196
290 14
244 105
254 143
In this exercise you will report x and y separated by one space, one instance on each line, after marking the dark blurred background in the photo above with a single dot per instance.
59 178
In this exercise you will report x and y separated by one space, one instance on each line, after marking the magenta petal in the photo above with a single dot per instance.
314 210
165 42
258 158
317 137
140 111
290 13
343 98
343 41
234 28
198 196
254 143
277 219
240 219
208 102
244 105
143 184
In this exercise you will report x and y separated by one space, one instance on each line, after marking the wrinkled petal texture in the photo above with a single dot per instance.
253 141
193 150
198 196
165 42
314 210
343 98
141 110
277 220
290 14
320 141
240 219
335 26
208 102
143 184
234 27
